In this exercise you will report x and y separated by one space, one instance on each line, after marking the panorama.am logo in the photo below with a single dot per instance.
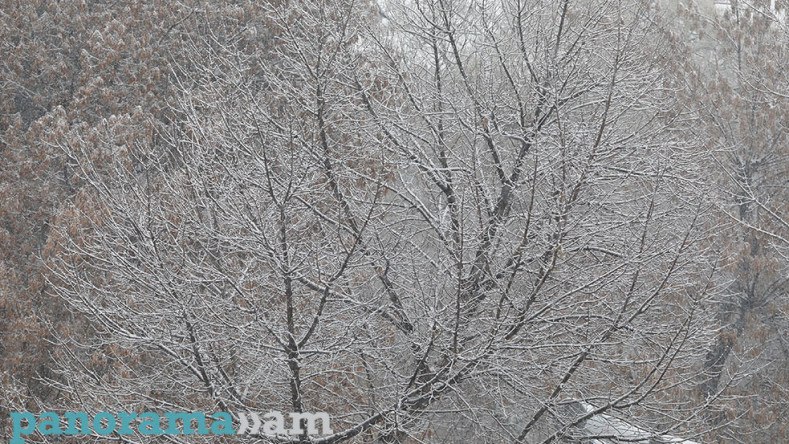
272 424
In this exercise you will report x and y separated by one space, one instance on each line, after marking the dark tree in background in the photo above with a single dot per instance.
735 69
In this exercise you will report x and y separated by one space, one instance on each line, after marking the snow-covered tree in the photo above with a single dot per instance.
437 221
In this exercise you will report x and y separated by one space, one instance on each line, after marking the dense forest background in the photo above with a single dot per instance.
437 220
